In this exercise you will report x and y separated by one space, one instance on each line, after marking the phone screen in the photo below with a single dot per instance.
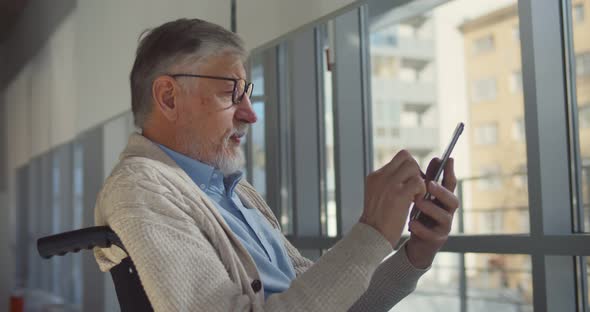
458 130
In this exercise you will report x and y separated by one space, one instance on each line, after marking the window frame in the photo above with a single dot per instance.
553 243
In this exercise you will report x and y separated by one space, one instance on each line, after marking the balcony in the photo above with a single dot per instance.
417 140
416 96
408 48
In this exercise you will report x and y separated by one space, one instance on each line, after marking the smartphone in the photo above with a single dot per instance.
416 214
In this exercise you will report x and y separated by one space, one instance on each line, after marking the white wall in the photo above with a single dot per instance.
106 38
260 21
64 69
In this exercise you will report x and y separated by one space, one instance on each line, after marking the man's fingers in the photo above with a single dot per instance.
449 201
415 186
449 178
425 233
406 170
432 168
442 217
397 161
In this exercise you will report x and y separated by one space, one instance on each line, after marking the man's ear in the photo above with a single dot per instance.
165 92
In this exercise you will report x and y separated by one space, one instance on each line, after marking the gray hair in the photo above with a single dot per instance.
175 44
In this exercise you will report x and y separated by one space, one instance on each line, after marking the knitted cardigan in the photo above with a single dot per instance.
188 259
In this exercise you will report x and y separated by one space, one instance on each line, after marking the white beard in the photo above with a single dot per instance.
230 163
226 156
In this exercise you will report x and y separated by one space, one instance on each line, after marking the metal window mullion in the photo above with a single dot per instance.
305 136
271 128
248 150
349 128
286 149
547 149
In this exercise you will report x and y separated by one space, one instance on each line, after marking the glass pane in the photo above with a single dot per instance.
498 282
460 61
587 277
329 212
257 146
491 282
581 40
438 288
257 77
258 150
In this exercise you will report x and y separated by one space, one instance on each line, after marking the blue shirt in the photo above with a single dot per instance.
263 242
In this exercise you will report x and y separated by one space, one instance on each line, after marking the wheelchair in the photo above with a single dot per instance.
130 292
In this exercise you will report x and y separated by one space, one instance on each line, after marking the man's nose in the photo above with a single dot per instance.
245 111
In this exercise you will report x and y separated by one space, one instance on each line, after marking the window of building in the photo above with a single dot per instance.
385 67
584 115
518 133
515 82
583 64
578 13
486 134
520 177
483 44
516 33
489 177
484 90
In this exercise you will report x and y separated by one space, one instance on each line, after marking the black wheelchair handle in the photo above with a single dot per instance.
74 241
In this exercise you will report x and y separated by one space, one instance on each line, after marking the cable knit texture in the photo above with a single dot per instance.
188 259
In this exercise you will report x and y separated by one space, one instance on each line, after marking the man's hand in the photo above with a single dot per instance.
425 241
389 193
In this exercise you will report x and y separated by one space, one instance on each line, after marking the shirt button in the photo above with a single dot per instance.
215 175
256 285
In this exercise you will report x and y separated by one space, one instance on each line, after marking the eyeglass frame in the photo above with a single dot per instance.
248 87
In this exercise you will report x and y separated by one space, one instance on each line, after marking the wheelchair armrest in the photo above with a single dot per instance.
74 241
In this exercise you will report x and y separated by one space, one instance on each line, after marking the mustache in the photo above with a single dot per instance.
240 130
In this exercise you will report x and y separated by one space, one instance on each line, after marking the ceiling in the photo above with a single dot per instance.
9 12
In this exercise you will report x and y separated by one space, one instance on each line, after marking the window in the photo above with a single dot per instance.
424 112
491 221
385 67
515 33
581 74
257 143
515 82
484 90
258 150
493 282
410 119
518 130
578 13
584 115
583 64
483 44
388 39
520 177
486 134
489 178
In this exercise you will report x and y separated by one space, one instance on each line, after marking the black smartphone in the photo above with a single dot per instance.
416 214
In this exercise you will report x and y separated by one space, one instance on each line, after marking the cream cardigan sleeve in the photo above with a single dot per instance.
394 279
181 270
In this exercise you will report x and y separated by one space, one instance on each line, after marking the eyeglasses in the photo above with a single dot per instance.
241 86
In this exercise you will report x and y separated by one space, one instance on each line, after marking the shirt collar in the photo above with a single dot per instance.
205 176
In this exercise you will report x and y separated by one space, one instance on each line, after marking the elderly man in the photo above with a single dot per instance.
201 237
